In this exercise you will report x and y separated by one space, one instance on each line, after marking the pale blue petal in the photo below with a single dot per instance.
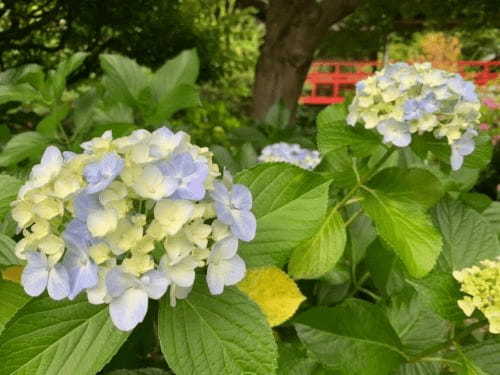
155 283
36 274
82 271
129 309
101 173
118 281
224 249
84 204
241 197
244 225
223 213
58 283
76 235
456 160
237 270
215 279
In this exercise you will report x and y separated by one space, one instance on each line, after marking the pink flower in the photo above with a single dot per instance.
484 126
491 103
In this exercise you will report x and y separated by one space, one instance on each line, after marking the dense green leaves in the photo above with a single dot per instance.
12 299
8 192
51 338
334 133
468 238
289 204
206 334
406 228
182 69
23 146
492 215
140 371
7 254
354 338
319 254
50 123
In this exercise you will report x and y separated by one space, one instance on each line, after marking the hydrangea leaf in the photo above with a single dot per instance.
354 338
334 133
140 371
492 214
485 355
52 338
295 360
467 236
319 254
440 292
418 327
386 269
419 368
289 204
406 228
10 186
273 291
414 184
226 334
13 298
7 255
23 146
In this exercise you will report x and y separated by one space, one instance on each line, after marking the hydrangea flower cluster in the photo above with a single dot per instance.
290 153
403 99
129 218
482 284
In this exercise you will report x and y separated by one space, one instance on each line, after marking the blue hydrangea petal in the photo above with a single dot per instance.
101 173
82 271
155 283
118 281
244 225
58 283
241 197
129 309
36 274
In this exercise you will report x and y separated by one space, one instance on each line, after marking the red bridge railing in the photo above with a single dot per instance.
328 80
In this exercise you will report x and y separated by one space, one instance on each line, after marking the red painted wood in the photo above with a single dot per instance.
327 78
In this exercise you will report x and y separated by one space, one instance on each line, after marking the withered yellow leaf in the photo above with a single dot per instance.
13 273
274 291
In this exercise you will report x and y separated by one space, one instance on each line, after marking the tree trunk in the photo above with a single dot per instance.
294 30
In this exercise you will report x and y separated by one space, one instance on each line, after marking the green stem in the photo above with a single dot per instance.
437 348
352 218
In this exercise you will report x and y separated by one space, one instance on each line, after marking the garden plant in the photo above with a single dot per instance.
127 248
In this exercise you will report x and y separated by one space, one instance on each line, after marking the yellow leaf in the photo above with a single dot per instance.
13 273
274 291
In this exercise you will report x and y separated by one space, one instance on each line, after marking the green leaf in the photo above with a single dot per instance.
485 355
319 254
340 167
492 215
8 193
226 334
140 371
289 204
335 133
361 234
22 92
413 184
23 146
467 236
50 123
52 338
278 115
477 201
224 158
440 148
180 97
247 156
124 78
182 69
7 252
417 326
355 338
57 78
440 292
294 360
386 269
13 299
407 230
419 368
